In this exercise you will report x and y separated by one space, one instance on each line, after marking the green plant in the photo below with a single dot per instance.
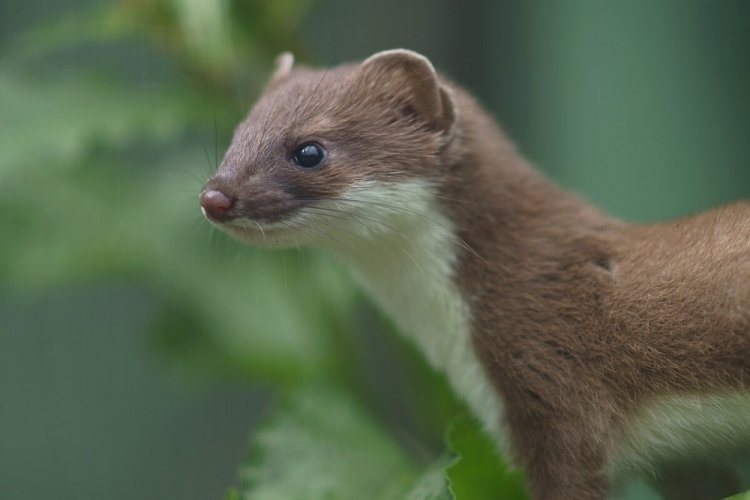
112 118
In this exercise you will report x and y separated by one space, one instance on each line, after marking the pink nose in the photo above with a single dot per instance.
216 204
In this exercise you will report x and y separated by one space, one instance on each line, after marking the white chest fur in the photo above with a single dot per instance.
404 252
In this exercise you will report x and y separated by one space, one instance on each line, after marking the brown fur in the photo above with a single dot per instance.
578 318
583 318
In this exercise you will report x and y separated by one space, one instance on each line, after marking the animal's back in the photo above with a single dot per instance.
683 294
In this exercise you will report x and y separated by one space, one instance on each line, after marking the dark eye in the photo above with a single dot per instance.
309 155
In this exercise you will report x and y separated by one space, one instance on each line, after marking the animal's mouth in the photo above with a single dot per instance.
259 229
258 233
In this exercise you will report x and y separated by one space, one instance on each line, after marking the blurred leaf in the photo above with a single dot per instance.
101 23
479 472
227 38
320 444
96 181
55 123
205 29
432 484
271 315
274 22
741 496
98 178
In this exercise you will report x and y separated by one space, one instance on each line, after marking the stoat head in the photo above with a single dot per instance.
324 153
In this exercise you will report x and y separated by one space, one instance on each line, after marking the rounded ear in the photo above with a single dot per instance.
282 67
410 79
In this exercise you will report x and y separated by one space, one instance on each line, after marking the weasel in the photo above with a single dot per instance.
587 346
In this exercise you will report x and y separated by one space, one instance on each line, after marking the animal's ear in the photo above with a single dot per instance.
410 80
282 67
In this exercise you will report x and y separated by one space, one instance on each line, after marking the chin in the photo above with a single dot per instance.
263 235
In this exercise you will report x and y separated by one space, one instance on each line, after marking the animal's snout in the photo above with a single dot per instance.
216 205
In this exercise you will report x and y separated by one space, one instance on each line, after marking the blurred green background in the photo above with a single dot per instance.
139 348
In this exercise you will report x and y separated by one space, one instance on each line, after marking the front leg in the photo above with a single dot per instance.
563 453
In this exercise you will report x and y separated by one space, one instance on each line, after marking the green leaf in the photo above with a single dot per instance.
432 484
478 471
741 496
96 24
264 311
205 28
56 123
322 445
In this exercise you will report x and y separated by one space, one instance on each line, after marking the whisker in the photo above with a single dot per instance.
359 217
310 100
355 251
212 98
182 172
211 168
261 230
359 237
337 241
216 144
446 230
212 236
264 130
351 234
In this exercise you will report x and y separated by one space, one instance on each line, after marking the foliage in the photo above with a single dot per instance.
112 118
321 444
477 473
113 171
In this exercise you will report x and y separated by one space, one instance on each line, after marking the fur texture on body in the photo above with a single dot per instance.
586 345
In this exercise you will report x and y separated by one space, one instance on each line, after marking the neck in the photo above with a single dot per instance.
404 250
425 250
